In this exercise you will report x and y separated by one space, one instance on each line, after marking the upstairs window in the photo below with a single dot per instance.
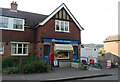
61 26
3 22
17 23
9 23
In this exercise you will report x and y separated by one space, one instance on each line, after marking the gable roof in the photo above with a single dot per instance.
58 9
37 19
28 16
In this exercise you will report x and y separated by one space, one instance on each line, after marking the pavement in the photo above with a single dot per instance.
61 74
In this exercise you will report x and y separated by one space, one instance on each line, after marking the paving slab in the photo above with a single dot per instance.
59 73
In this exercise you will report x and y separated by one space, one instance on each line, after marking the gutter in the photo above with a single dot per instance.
76 77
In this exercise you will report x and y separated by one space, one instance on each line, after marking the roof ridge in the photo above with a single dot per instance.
26 12
31 19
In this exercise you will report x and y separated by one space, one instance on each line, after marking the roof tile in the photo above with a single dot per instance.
31 19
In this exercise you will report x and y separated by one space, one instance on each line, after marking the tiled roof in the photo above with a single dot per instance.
112 38
31 19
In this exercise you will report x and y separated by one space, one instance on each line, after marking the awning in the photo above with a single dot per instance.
64 47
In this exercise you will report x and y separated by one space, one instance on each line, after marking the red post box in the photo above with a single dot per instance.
91 61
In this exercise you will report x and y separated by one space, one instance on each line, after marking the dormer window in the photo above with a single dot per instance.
3 22
17 23
61 26
9 23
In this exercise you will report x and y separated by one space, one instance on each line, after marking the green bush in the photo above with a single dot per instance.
11 70
10 62
83 66
30 64
28 68
76 61
40 67
34 67
97 65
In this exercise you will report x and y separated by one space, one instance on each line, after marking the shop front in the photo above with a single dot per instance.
64 50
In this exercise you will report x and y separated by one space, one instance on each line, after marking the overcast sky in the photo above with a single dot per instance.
99 18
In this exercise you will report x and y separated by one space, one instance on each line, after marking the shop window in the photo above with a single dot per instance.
62 55
19 49
61 26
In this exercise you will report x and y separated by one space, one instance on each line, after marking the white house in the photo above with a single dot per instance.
88 53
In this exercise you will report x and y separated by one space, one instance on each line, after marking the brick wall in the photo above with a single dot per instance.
112 47
48 31
7 49
10 35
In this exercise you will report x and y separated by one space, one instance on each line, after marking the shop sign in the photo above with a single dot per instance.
63 41
55 62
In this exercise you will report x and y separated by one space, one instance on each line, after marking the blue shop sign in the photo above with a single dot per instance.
61 41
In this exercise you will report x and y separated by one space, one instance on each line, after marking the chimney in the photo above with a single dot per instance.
14 6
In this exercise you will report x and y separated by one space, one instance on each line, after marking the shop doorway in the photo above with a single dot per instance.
46 52
75 53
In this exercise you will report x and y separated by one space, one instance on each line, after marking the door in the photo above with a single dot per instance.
75 53
46 52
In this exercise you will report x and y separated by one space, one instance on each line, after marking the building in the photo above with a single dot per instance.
111 45
88 53
25 33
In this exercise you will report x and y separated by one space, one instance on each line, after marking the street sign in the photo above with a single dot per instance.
55 62
109 64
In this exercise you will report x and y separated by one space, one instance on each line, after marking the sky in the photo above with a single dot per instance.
99 18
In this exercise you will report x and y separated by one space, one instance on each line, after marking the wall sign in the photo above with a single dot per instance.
61 41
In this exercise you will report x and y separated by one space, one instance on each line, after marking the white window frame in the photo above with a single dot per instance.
17 54
59 23
15 21
11 22
4 20
2 47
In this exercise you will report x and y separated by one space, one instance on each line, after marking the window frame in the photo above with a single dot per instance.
17 48
10 24
4 21
68 57
2 47
61 23
17 22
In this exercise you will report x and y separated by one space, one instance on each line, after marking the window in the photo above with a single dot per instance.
17 23
3 22
9 23
1 49
19 49
62 55
61 26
